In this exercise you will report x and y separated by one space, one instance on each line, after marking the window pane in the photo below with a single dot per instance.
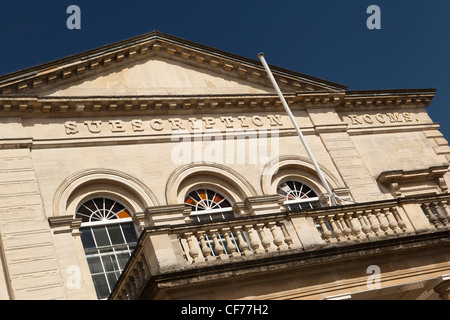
107 247
101 286
98 203
115 234
129 232
95 266
87 239
110 263
112 278
123 258
90 205
101 236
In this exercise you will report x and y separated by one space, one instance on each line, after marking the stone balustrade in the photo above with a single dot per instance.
360 224
184 246
437 213
242 239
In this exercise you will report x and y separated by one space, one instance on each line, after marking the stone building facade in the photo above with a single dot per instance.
158 168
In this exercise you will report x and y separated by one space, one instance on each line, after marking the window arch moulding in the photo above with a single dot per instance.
290 167
187 177
101 182
209 176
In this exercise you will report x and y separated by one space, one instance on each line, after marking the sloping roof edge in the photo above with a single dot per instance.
155 35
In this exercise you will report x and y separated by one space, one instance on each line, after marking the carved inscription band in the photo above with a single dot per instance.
219 123
380 118
172 124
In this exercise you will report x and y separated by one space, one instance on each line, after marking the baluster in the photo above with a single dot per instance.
137 280
193 250
243 245
441 217
206 250
433 220
129 290
391 219
265 241
373 221
400 223
356 229
141 271
254 240
123 295
218 248
365 225
345 229
446 210
286 235
132 287
146 269
325 232
231 247
384 222
277 238
336 231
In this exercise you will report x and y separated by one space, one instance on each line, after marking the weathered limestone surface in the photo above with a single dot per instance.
149 120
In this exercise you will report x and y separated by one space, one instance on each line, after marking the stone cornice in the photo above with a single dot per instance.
155 43
405 176
396 179
21 91
392 98
342 101
26 104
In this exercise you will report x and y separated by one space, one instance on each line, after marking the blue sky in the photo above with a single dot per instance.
324 39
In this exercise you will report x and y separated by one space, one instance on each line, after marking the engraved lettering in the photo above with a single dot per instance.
116 126
93 126
209 122
275 120
71 127
407 116
354 119
228 121
367 118
394 117
137 125
257 121
156 124
195 123
380 118
176 123
244 123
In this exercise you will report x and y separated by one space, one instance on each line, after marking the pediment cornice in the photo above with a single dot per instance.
72 68
24 91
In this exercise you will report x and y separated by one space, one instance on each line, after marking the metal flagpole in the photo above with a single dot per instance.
333 200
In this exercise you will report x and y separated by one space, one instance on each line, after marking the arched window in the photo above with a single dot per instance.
208 205
109 237
297 195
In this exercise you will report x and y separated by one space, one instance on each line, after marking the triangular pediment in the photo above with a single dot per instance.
157 76
156 64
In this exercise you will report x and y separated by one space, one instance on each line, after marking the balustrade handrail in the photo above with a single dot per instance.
278 216
270 232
